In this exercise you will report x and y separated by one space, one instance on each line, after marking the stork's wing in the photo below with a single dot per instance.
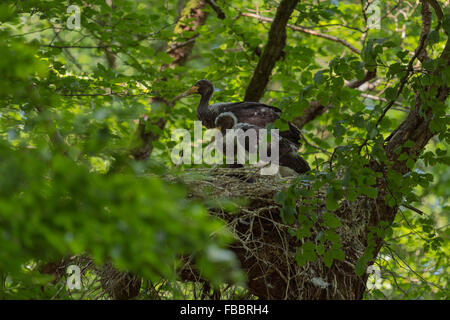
255 113
258 114
291 159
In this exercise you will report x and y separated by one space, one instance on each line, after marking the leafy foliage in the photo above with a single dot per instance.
71 100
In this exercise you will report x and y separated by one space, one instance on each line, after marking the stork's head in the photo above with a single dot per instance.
201 87
226 120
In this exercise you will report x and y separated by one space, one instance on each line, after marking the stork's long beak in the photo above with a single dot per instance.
192 90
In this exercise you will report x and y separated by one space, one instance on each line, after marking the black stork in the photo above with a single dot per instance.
287 156
253 113
248 115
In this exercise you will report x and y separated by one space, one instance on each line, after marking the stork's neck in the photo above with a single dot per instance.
203 109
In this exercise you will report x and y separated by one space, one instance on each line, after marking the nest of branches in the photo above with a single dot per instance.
264 244
97 282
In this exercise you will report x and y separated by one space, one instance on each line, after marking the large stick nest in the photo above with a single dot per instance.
266 246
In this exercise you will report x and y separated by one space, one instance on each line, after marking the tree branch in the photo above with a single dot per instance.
192 17
316 108
217 9
72 46
307 31
416 126
272 51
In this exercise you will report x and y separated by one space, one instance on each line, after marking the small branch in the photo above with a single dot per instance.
314 146
216 8
307 31
413 209
416 127
221 15
321 26
65 51
53 132
73 47
367 77
370 96
31 32
182 44
316 108
118 94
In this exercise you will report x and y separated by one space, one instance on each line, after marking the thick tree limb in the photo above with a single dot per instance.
192 17
272 51
315 109
415 127
367 77
421 54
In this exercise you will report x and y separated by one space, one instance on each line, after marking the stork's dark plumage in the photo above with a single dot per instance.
245 116
253 113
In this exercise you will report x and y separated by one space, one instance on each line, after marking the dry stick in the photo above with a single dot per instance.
272 51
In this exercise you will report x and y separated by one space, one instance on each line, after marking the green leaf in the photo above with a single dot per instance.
360 267
446 24
320 249
331 220
309 251
301 259
369 191
403 157
410 163
328 259
318 77
391 93
433 37
338 254
332 203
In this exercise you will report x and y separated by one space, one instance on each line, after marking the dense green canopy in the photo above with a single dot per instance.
87 114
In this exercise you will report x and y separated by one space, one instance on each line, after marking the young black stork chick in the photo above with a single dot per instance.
287 153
